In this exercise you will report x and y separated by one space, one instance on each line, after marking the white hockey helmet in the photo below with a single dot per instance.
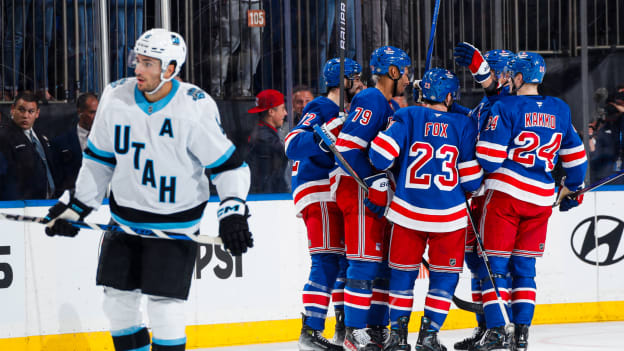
166 46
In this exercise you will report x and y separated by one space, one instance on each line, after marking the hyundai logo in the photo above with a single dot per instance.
598 240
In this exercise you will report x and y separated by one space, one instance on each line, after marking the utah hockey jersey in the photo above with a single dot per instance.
370 113
154 156
521 143
435 152
310 173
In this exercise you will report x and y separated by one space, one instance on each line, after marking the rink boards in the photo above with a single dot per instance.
49 301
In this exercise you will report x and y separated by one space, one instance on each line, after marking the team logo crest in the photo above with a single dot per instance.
452 262
427 85
541 246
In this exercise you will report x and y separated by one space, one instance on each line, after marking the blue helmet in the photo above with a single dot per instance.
498 60
437 83
384 57
331 72
530 64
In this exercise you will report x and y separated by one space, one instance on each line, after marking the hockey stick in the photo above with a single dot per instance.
342 39
501 304
597 184
464 305
201 239
434 24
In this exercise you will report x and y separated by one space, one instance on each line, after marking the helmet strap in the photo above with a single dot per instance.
163 80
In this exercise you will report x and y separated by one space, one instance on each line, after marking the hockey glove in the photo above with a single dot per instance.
331 129
378 188
566 202
233 227
56 219
468 56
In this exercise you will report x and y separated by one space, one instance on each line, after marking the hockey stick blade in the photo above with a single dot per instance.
201 239
461 304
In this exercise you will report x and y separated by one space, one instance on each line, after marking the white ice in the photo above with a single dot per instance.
600 336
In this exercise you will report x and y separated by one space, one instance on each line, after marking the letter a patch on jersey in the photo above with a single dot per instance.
166 128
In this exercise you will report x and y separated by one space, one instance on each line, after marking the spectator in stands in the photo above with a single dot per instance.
602 149
267 159
19 16
126 24
28 163
301 96
234 35
87 105
84 56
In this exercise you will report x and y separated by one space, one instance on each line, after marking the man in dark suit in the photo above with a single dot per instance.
27 163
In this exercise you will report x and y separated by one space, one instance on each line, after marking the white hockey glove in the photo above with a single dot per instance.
233 228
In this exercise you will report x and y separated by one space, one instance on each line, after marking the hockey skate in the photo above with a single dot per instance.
380 334
360 340
468 342
522 337
494 339
427 338
339 332
398 337
313 340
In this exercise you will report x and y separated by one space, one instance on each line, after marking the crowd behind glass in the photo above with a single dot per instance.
50 49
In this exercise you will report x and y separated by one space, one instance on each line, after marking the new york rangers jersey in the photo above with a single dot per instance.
481 112
521 143
310 173
435 152
370 113
154 156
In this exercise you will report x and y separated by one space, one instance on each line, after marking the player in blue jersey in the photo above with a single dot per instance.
434 152
322 217
366 231
153 140
518 148
498 62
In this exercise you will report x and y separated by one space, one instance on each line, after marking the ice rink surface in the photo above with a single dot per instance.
601 336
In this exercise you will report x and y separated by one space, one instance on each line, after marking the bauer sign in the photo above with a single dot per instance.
256 18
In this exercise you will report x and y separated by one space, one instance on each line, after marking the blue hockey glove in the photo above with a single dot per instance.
233 227
567 202
378 193
468 56
56 219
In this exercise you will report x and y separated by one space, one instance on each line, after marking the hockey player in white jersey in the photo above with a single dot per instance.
153 141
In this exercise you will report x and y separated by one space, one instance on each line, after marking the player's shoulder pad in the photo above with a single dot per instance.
121 82
369 98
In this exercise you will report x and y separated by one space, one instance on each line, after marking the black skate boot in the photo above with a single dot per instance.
477 333
522 337
494 339
313 340
339 332
360 340
380 334
427 338
398 337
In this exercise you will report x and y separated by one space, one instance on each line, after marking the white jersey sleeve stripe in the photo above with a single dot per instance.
99 152
223 158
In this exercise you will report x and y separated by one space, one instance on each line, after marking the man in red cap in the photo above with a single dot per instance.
267 160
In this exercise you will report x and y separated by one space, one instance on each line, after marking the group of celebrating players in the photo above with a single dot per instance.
396 180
